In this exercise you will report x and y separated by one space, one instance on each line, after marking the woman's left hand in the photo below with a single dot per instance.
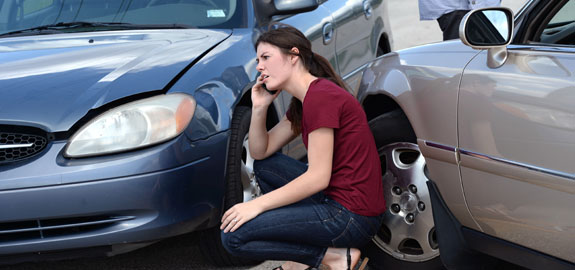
238 215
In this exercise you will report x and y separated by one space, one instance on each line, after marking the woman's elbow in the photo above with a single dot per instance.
323 182
320 187
256 152
258 155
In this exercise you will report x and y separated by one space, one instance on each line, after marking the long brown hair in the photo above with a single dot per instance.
287 37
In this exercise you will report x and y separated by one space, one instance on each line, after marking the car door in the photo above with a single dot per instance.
319 28
356 36
516 131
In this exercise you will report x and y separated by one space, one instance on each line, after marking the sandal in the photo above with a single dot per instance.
281 268
361 266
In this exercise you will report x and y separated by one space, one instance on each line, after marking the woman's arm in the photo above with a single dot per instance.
314 180
263 143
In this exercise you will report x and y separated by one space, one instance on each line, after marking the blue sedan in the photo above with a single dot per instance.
125 122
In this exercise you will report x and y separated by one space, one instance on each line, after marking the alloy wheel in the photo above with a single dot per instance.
250 186
408 230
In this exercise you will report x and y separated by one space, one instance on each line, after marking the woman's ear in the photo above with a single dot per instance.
294 54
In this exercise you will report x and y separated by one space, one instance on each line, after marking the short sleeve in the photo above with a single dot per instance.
321 109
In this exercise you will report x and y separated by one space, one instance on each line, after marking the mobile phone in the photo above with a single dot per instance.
269 91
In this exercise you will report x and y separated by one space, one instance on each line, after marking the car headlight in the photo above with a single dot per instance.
133 125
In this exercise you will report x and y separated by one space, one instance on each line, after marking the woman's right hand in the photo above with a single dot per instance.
261 98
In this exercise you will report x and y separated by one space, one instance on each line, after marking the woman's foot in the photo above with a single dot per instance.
337 258
292 266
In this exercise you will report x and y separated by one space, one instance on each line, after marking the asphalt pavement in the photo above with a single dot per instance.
182 253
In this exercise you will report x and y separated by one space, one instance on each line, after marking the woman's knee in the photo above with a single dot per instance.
279 163
266 163
231 242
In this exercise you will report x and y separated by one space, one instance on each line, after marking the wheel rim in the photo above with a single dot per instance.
250 186
408 230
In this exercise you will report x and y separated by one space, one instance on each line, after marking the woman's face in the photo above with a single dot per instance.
274 65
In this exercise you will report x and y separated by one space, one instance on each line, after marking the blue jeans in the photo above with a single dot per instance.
299 232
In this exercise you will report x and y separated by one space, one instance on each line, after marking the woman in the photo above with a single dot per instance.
309 214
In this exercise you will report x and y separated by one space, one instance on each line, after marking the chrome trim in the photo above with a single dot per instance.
440 146
10 146
500 160
518 164
541 47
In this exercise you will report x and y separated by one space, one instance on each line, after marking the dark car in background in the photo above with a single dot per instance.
124 122
481 130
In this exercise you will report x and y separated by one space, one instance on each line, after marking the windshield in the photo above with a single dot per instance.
17 15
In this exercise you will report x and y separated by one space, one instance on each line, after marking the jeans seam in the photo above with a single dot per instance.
360 228
333 217
257 230
333 241
320 259
291 224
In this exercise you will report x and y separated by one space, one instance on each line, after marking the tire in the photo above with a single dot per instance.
406 239
240 186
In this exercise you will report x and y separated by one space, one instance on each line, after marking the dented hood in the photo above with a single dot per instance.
52 81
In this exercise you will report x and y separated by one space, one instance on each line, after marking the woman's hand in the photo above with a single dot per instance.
238 215
261 97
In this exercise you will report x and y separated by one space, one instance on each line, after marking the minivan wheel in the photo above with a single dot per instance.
407 238
240 187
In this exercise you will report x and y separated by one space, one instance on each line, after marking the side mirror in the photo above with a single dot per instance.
295 6
485 28
489 28
265 9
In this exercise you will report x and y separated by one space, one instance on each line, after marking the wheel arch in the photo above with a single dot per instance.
381 35
383 44
378 104
273 116
386 87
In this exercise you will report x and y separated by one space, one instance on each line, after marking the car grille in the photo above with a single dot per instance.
16 146
62 227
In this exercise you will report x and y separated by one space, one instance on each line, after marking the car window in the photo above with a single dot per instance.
34 6
560 29
565 14
24 14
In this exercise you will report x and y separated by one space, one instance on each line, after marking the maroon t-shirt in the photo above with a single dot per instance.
356 173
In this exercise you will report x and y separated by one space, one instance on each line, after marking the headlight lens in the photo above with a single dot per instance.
133 125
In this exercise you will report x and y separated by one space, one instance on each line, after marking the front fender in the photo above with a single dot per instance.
218 82
424 83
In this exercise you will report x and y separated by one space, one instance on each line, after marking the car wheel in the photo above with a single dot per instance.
241 186
407 238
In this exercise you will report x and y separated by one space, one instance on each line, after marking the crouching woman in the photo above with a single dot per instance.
315 213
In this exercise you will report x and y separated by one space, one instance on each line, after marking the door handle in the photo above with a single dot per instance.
327 33
367 9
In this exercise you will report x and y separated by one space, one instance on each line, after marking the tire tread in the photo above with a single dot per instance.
212 249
